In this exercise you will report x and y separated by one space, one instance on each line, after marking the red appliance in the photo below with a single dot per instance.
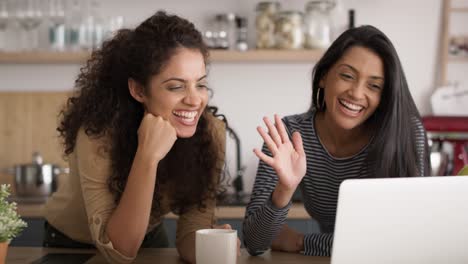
453 129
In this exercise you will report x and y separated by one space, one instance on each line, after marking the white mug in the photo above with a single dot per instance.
214 246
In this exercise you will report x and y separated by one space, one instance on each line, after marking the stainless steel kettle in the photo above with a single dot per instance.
36 179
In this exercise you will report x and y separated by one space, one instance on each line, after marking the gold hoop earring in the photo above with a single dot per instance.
320 106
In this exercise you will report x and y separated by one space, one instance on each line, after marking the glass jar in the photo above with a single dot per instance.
265 24
75 26
56 25
241 41
289 32
225 31
318 24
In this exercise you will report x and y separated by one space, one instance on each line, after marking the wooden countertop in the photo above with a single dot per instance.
17 255
297 211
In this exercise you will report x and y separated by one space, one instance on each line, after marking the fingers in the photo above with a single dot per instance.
285 227
238 247
297 143
277 131
148 115
159 119
267 159
268 141
281 129
225 226
272 131
157 122
276 135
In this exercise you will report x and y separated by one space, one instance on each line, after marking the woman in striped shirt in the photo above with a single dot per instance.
363 123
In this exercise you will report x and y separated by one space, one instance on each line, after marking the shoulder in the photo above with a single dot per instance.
93 158
418 127
417 123
299 119
92 145
302 122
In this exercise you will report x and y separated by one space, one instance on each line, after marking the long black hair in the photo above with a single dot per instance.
393 152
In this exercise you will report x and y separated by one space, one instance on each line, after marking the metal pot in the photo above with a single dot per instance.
36 179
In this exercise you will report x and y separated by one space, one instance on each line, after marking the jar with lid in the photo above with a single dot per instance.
241 44
289 33
265 24
225 31
318 24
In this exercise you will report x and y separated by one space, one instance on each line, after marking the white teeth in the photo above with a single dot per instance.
190 115
351 106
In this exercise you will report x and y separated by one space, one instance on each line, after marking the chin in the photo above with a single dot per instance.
352 125
185 133
349 124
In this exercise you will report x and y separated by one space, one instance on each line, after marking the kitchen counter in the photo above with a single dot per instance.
18 255
297 211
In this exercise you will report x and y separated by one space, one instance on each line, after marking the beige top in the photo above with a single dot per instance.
83 204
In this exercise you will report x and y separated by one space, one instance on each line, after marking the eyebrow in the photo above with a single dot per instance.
182 80
354 69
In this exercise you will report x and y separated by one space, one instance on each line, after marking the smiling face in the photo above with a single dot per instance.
353 87
179 93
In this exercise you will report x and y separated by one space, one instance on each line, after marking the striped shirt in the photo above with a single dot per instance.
319 189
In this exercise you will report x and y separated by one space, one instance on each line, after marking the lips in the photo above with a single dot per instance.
185 117
349 108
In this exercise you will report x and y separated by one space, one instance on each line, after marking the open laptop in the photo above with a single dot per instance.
402 221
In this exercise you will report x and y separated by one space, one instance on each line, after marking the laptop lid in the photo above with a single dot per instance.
402 220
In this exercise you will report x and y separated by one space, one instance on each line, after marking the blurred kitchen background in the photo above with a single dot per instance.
263 55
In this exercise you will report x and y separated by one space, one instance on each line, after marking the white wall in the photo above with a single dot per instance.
246 92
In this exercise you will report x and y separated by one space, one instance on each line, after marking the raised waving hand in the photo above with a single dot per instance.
288 158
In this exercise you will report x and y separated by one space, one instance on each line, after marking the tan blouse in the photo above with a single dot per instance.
83 204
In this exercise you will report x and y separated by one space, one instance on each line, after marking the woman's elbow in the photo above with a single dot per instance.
126 248
187 256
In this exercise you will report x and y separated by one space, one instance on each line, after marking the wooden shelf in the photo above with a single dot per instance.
267 56
455 59
42 57
459 9
251 56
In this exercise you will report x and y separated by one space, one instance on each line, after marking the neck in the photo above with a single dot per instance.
338 141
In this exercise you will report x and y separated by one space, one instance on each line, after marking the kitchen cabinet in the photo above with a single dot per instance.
298 219
28 124
250 56
32 236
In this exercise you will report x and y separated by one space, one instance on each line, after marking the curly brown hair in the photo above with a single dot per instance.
103 107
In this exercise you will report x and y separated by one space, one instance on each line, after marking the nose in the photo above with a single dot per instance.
357 92
193 97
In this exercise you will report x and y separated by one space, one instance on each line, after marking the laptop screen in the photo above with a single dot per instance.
402 220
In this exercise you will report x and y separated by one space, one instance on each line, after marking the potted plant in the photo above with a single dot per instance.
10 222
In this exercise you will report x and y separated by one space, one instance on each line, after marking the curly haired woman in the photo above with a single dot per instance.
141 142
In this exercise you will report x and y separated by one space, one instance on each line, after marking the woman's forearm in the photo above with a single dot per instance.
281 196
186 248
128 223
